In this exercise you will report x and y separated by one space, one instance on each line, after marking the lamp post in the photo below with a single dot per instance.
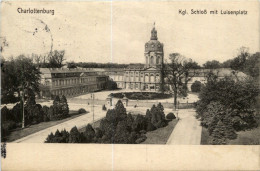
177 110
21 88
93 98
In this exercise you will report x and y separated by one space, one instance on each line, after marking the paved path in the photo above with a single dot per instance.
81 121
187 131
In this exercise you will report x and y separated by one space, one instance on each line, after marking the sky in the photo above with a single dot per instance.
117 31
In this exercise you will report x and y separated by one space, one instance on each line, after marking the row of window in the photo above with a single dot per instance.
73 81
73 91
152 78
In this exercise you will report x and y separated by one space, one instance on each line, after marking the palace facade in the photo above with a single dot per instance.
70 82
146 77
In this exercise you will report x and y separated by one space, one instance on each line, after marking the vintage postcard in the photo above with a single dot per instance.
130 85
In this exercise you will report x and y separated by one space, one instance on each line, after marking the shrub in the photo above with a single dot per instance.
81 110
150 126
89 134
139 123
49 139
6 114
170 116
238 98
98 133
140 139
104 107
6 127
148 115
45 110
132 138
117 114
158 116
65 136
111 85
17 112
196 86
9 98
129 122
218 135
141 95
51 113
122 134
75 136
64 106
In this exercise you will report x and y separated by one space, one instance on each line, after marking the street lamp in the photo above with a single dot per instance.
93 98
22 100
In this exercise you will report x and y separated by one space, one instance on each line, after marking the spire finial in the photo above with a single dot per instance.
154 33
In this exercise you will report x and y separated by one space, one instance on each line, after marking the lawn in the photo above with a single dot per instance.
141 95
204 136
251 137
20 133
158 136
161 135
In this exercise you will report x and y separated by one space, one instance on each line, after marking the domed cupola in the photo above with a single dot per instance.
154 34
153 50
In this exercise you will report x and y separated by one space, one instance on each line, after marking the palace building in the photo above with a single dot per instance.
142 76
148 76
145 77
70 82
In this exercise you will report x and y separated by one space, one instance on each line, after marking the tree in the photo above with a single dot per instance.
218 135
75 136
28 74
89 134
252 65
111 85
212 64
178 73
228 97
64 106
122 133
19 75
56 59
238 63
71 65
196 86
4 44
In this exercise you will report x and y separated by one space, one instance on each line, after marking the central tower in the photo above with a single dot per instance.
153 51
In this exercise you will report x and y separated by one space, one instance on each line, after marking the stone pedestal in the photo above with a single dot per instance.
125 101
109 102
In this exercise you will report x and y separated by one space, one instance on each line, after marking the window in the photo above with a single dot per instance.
146 78
152 78
151 62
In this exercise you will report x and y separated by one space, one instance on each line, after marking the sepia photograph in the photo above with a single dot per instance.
142 73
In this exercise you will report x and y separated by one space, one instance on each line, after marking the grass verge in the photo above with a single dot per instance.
204 136
251 137
161 135
20 133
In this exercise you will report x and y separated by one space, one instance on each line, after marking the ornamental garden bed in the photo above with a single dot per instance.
141 95
117 127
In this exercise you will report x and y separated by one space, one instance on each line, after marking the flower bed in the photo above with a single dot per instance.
141 95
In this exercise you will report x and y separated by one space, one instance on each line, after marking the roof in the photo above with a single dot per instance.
135 66
65 70
47 72
221 72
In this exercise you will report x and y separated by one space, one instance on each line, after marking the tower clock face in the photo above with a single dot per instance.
146 46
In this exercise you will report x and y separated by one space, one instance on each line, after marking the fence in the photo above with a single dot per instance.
139 103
